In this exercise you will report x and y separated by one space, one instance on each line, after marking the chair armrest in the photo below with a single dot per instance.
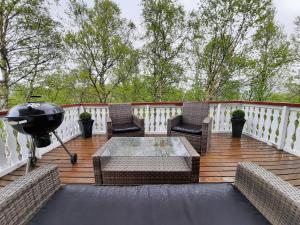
172 122
207 120
108 127
206 126
23 198
139 121
108 119
206 134
274 198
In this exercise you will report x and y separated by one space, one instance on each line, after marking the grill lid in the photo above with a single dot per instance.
33 109
37 119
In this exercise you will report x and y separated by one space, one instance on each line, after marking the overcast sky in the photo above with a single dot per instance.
286 10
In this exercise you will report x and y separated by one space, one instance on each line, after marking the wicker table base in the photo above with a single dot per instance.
133 168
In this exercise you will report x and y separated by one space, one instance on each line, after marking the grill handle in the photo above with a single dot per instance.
17 122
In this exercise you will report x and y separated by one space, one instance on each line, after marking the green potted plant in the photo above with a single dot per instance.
86 124
237 121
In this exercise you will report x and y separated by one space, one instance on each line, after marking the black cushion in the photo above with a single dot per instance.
188 128
124 127
199 204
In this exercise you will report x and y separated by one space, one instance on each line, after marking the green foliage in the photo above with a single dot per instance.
272 56
293 96
231 90
238 114
296 40
131 90
102 45
219 41
165 40
85 116
225 50
30 44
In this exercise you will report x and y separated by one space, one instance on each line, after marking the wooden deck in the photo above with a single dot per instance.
218 165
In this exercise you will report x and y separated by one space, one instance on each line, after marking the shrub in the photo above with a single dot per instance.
238 114
85 116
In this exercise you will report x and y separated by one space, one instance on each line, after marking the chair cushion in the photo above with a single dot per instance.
188 128
124 127
194 204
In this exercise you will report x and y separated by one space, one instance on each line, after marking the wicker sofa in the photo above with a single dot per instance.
194 124
257 197
122 123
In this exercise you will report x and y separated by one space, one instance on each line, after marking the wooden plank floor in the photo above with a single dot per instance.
218 165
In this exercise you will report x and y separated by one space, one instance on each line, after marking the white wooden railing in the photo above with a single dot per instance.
277 124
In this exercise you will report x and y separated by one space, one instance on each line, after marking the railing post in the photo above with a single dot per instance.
283 127
218 114
81 109
147 119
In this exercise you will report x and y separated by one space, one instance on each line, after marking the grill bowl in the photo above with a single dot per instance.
35 118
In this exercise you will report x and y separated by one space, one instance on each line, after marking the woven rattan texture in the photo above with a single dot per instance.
22 199
122 114
197 114
276 199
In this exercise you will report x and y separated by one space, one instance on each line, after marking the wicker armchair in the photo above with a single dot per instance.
194 124
121 122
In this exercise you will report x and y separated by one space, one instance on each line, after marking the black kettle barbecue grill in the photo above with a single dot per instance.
38 119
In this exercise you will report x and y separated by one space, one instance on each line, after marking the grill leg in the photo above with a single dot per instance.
73 157
31 162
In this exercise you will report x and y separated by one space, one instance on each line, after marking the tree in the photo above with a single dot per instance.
132 90
165 40
46 51
294 82
220 38
29 43
296 40
102 45
271 55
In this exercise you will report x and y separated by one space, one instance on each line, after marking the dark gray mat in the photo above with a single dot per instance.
199 204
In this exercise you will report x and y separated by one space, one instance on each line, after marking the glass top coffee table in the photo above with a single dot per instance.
146 160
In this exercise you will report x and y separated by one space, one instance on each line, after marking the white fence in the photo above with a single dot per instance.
276 125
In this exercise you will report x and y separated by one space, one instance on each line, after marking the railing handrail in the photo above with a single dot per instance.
295 105
3 113
288 104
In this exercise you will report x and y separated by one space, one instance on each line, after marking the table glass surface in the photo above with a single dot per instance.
145 146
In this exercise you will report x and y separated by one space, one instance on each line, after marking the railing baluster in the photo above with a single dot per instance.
11 143
218 114
3 156
292 142
296 135
283 127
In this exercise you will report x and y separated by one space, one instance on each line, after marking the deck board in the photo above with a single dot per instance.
219 165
